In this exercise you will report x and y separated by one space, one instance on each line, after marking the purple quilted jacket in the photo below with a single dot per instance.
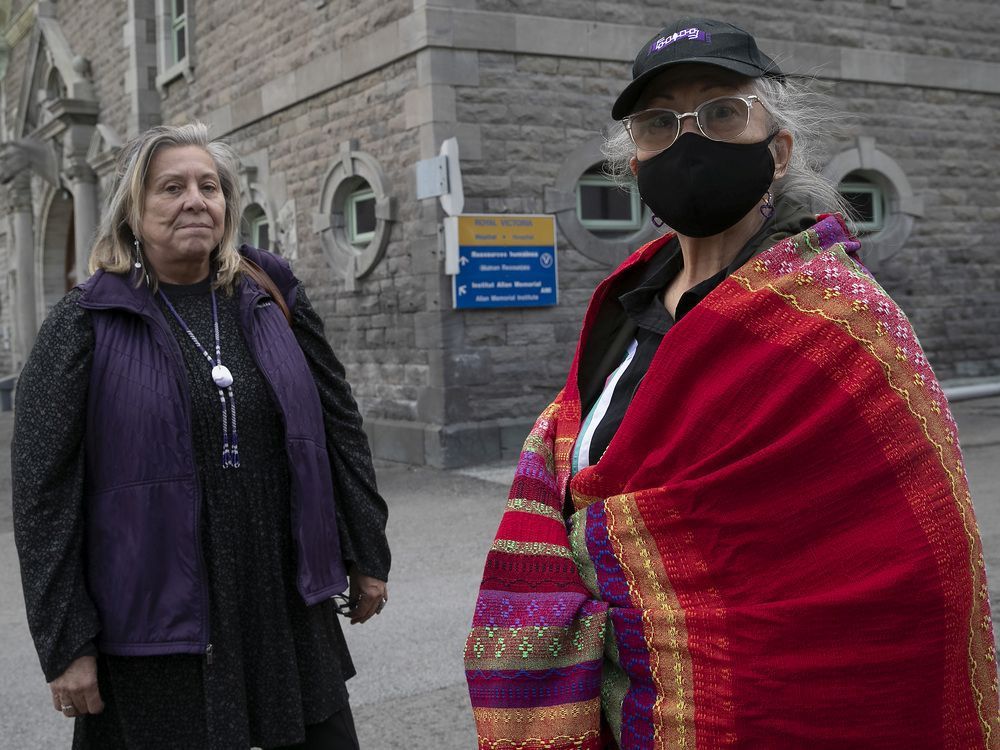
146 572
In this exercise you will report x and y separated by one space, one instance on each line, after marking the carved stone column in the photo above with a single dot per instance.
83 185
25 312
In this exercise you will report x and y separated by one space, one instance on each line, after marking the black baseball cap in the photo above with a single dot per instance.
695 40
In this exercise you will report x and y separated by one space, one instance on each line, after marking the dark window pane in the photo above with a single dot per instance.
863 204
263 236
181 44
364 216
590 202
598 203
618 204
178 8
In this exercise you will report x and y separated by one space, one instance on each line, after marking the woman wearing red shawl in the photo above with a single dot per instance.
744 522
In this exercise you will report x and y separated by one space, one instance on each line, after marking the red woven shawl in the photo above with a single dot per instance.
777 549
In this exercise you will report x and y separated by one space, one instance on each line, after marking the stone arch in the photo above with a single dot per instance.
55 87
903 206
253 211
52 69
262 195
55 254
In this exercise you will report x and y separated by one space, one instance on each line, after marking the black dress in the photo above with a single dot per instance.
276 664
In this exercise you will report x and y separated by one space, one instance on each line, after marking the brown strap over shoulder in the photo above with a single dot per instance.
265 282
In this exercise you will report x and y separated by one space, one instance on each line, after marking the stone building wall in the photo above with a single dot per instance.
539 109
95 30
526 88
372 329
964 30
239 47
947 276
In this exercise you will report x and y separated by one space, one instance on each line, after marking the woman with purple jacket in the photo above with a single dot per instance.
194 498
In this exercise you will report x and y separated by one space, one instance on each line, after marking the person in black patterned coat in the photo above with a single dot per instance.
199 609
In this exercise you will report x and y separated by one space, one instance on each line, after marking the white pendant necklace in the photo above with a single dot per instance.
223 380
222 377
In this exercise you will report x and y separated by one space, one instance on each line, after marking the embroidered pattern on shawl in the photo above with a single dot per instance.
777 549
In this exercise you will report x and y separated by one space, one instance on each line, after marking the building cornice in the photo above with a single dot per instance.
560 37
518 33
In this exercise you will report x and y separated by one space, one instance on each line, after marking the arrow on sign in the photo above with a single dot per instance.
461 290
463 260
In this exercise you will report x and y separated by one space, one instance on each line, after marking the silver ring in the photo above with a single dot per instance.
68 708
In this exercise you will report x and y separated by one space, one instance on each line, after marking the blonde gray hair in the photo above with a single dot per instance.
113 248
791 105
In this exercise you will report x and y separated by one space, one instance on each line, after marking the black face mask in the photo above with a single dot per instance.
701 187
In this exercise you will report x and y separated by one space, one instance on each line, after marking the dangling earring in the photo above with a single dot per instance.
137 265
767 210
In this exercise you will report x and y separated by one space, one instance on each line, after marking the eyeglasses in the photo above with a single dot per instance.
721 119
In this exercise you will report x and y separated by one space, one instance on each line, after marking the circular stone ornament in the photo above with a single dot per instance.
351 171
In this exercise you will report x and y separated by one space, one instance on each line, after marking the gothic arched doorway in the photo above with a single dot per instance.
58 250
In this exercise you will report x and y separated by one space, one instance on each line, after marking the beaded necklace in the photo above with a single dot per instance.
223 380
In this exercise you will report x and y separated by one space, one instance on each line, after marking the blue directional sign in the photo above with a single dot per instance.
505 260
